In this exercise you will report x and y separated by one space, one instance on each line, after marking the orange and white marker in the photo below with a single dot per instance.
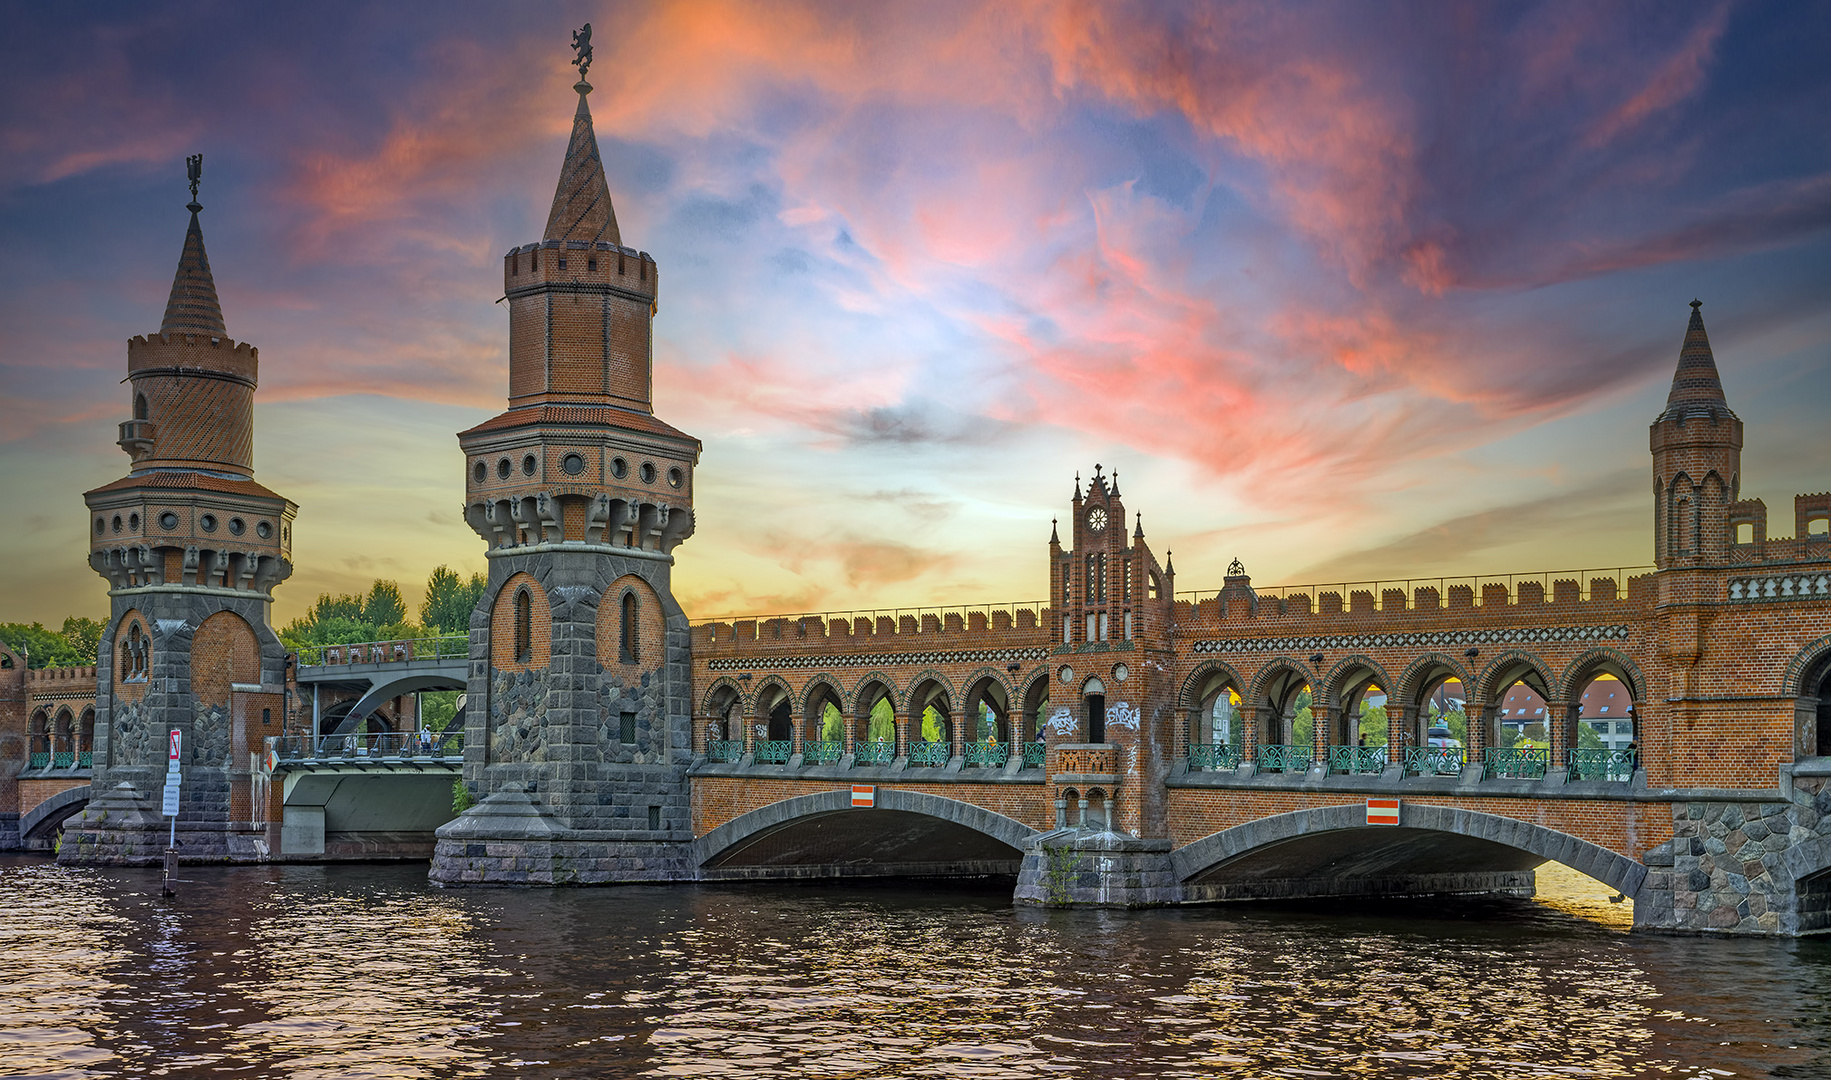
1382 811
864 795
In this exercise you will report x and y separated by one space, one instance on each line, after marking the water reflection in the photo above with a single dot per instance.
365 971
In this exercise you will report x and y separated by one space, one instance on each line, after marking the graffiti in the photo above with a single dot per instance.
1061 721
1122 715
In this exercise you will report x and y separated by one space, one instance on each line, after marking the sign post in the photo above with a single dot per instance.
173 778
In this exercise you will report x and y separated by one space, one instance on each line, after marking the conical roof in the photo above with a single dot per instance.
1697 389
581 203
193 307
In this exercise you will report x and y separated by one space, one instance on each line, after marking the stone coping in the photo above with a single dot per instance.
898 771
1468 784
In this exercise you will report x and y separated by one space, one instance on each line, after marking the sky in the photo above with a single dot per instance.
1347 292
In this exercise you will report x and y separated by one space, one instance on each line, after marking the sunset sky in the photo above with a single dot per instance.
1346 291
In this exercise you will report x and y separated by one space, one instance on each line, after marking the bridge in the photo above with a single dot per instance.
361 795
350 683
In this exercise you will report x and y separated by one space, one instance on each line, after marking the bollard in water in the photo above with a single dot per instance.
171 866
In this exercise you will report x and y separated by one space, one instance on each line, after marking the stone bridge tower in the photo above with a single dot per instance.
578 716
192 547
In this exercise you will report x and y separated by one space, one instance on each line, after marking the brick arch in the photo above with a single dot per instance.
1265 675
1609 867
787 812
224 651
928 676
1423 671
1808 661
812 689
1510 663
770 682
883 680
650 628
974 693
42 821
1599 660
502 625
1336 678
1186 698
708 704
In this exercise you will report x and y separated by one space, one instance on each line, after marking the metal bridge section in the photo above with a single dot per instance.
376 672
364 796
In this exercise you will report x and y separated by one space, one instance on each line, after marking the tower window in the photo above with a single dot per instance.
133 523
628 650
648 472
117 523
528 465
139 406
503 469
626 727
562 262
676 478
572 464
591 265
481 472
524 627
619 468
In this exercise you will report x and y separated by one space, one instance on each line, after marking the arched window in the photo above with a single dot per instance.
628 649
524 626
139 406
1094 693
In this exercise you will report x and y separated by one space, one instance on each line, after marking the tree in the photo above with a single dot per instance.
450 599
384 606
341 620
1373 724
882 727
73 645
832 724
1303 725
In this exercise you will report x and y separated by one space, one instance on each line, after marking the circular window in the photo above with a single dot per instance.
237 526
207 523
133 523
168 520
528 465
503 469
676 478
1066 674
263 530
1121 673
117 523
648 472
619 468
572 464
101 524
481 472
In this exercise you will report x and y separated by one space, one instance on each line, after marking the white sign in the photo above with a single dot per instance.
171 800
864 795
1382 811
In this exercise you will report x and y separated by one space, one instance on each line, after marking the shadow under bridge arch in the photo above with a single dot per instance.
906 834
1332 851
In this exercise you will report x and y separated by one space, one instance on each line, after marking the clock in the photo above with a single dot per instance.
1096 518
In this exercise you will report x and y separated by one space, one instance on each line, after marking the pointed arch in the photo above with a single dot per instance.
1509 667
1424 674
1349 671
1197 686
928 677
867 690
823 684
1600 660
1272 677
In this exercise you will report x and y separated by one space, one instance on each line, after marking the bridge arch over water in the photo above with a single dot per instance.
1331 850
906 834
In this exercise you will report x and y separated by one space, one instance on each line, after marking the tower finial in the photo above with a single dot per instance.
1695 304
581 202
193 307
581 44
1697 389
193 168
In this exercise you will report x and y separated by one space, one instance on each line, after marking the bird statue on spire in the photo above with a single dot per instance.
581 44
193 168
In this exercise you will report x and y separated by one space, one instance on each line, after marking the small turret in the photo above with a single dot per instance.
1697 459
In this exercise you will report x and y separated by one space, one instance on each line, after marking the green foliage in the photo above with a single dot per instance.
934 729
1373 724
460 796
384 605
438 708
1587 739
73 645
832 724
1458 723
882 727
450 599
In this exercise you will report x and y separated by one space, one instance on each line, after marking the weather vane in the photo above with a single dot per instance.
581 44
193 168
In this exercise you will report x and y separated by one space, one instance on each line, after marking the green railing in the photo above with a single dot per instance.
1514 763
1588 764
821 753
929 754
1214 757
1276 758
85 759
774 751
1357 760
987 755
1035 754
371 745
63 759
40 761
725 750
1435 760
881 752
447 647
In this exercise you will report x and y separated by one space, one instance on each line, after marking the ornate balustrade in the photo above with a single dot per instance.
1599 764
987 755
1356 760
929 754
775 751
1035 754
1215 757
880 752
1435 760
725 750
822 753
1514 763
1277 758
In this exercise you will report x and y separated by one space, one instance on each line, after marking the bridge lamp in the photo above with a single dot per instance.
1317 659
1472 653
1013 668
743 676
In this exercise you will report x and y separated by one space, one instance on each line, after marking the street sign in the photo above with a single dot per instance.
171 799
171 758
864 795
1382 811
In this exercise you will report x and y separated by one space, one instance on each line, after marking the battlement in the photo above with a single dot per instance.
1574 593
559 262
192 352
44 680
915 627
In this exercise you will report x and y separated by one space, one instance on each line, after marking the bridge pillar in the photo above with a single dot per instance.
1086 868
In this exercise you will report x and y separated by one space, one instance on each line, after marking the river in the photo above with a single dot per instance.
366 971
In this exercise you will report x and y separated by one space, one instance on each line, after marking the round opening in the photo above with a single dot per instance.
1066 674
528 465
1121 672
117 523
503 468
167 520
133 523
676 478
481 472
237 526
207 523
101 524
572 464
619 468
648 472
263 530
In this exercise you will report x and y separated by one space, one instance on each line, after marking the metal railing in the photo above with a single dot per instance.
1600 764
85 759
987 755
1435 760
895 614
1279 758
371 746
1215 757
929 754
1515 763
1585 578
821 753
725 750
63 759
40 761
774 751
445 647
1357 760
1035 753
881 752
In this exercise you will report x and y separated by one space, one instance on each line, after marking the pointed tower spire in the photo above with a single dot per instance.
1138 533
581 204
193 307
1054 537
1697 390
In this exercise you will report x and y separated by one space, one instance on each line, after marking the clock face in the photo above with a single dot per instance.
1096 519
